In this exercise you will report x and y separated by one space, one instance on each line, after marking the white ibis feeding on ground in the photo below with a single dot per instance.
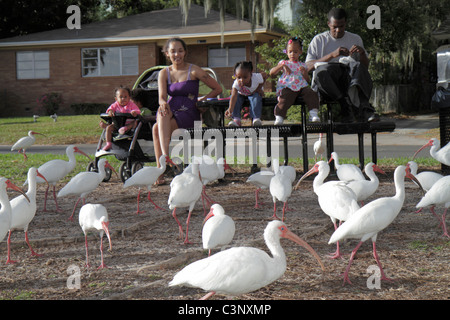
365 188
319 147
440 154
57 169
146 177
375 216
84 183
240 270
261 180
346 171
438 194
24 210
24 143
185 190
280 188
94 217
336 200
218 228
6 210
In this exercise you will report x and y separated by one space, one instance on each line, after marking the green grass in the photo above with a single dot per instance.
85 129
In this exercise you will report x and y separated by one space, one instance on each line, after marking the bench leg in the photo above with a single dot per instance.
304 140
330 140
361 150
374 147
286 151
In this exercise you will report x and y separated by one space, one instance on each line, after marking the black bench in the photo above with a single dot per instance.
296 130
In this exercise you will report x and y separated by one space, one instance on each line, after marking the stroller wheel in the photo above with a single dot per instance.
136 166
91 167
124 172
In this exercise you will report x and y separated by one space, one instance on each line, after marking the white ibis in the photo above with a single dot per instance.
365 188
261 180
375 216
210 171
240 270
146 177
440 154
319 147
24 143
94 217
185 190
346 171
218 228
336 200
57 169
426 178
6 210
280 188
84 183
438 194
24 210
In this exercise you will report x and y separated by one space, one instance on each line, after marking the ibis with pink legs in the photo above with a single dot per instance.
280 188
5 209
146 177
335 198
55 170
439 194
24 143
94 217
218 228
372 218
84 183
240 270
24 210
185 190
440 154
426 178
346 171
261 180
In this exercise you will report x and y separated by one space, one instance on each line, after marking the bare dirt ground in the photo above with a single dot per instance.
147 251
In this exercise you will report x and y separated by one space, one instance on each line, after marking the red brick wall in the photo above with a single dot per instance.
19 96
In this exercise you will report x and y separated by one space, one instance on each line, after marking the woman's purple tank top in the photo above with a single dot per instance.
183 100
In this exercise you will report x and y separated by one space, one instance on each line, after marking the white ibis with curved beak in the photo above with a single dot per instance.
57 169
24 210
84 183
426 178
24 143
440 154
185 190
280 188
240 270
261 180
372 218
319 147
218 228
146 177
6 210
94 217
438 194
335 198
347 171
365 188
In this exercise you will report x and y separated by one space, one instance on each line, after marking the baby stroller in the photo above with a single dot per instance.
126 149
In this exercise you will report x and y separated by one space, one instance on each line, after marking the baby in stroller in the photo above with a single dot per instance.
123 104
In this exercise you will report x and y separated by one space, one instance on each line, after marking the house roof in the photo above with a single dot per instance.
155 26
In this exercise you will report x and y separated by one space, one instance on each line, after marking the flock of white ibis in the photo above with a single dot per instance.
238 270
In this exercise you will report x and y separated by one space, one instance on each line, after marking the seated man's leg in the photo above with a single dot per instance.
362 80
332 81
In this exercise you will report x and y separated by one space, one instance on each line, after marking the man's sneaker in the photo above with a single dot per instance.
257 122
234 123
314 115
278 120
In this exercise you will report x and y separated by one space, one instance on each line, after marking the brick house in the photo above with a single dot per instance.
85 65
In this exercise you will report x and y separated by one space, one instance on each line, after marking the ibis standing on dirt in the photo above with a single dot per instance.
218 228
94 217
24 210
240 270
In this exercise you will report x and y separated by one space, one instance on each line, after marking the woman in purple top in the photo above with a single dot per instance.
178 87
